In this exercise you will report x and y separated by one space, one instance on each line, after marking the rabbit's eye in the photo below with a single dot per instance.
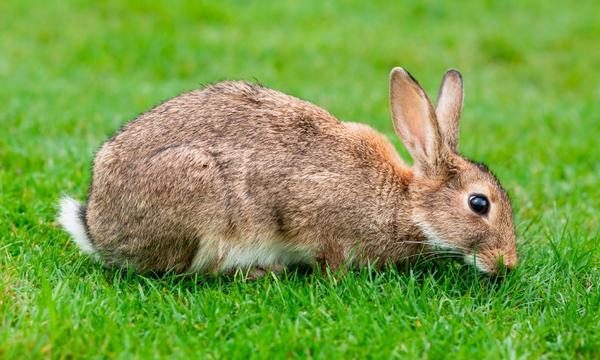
479 204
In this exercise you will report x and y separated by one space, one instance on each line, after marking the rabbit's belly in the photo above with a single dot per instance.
215 254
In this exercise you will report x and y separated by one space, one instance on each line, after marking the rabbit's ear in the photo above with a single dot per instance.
414 120
449 107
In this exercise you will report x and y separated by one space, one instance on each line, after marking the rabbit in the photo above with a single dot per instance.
237 176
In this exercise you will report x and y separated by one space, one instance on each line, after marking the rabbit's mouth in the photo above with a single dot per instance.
488 260
474 260
493 262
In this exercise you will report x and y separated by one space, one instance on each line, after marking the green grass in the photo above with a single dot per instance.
71 72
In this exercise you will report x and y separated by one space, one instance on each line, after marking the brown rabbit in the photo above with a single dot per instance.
238 176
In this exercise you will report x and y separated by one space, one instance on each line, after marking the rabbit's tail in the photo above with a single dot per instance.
72 219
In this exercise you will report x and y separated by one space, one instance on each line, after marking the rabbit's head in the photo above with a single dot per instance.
459 205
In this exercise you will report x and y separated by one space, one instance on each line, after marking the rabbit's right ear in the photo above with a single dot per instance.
449 107
415 121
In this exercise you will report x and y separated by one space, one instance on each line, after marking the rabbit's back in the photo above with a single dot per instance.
231 175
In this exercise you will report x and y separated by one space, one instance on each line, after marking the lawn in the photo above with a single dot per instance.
71 72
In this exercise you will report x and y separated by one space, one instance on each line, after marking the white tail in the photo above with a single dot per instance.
70 219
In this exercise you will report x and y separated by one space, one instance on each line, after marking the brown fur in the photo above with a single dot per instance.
236 166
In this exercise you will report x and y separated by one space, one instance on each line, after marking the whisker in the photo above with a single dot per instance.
436 258
432 256
449 255
424 243
445 251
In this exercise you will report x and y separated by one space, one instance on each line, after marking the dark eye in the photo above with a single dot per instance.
479 204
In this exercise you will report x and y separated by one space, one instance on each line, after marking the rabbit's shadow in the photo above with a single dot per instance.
449 277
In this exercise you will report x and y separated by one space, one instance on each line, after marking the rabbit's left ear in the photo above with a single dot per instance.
449 107
415 121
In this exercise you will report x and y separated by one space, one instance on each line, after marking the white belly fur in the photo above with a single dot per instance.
257 251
